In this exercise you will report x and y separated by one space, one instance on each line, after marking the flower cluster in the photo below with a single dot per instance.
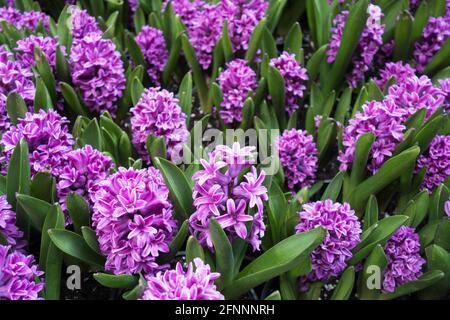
384 119
399 71
80 172
47 136
436 160
13 78
25 50
343 231
298 157
369 43
97 71
153 46
157 113
82 24
294 79
404 260
235 82
434 35
242 17
218 194
8 229
444 85
187 10
19 276
21 20
196 283
132 217
416 93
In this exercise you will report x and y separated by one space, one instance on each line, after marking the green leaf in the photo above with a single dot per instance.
294 39
248 113
122 281
376 262
36 209
275 261
227 46
314 63
137 291
223 252
46 73
354 25
276 85
185 96
380 233
276 213
269 46
134 49
390 171
425 135
345 285
92 135
16 107
78 210
273 13
403 37
427 279
71 99
334 187
255 39
421 202
371 215
42 99
43 187
156 147
440 60
51 258
90 237
343 106
437 259
137 88
180 190
274 296
74 245
363 146
194 250
62 66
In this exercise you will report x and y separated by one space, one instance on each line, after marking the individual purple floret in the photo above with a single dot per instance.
13 78
236 82
157 113
295 78
132 217
153 47
242 17
97 71
19 276
416 93
369 43
384 119
447 207
444 85
205 32
82 24
436 160
25 50
399 71
196 283
80 172
8 228
219 194
298 157
343 229
434 35
47 136
404 261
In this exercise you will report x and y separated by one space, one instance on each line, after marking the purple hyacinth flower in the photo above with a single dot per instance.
404 261
399 71
434 35
80 172
298 157
97 71
416 93
436 160
295 78
343 234
133 220
236 82
218 194
19 276
196 283
444 85
384 119
447 207
8 228
368 45
158 113
82 24
25 50
47 136
153 47
21 20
